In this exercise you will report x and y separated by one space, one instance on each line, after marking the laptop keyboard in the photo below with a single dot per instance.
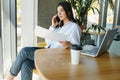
90 50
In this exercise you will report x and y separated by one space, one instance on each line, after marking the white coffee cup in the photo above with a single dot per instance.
75 54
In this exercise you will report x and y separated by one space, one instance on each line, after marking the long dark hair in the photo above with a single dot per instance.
68 10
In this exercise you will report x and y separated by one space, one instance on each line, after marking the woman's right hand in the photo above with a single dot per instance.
54 22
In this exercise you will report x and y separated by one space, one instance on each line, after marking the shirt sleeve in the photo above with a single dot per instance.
75 35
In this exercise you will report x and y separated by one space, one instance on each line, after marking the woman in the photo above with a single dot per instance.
62 22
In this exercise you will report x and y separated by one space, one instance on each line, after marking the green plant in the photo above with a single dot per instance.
81 8
95 28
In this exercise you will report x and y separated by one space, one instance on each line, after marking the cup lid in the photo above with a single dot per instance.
76 47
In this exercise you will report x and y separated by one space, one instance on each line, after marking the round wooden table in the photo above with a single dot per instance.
54 64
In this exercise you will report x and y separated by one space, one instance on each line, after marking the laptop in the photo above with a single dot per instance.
95 51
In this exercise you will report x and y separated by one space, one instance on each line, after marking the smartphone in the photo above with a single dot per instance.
57 19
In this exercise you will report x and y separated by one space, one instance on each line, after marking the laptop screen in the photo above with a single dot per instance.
106 42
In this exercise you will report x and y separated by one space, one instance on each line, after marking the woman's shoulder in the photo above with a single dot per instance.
74 25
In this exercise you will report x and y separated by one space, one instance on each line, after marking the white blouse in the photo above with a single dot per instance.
71 29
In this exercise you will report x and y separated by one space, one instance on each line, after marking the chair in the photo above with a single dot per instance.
115 46
41 44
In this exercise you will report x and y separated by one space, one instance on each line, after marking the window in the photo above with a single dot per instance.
7 34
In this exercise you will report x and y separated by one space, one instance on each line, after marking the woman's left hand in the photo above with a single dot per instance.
65 44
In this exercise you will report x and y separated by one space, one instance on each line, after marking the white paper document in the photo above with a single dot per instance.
45 33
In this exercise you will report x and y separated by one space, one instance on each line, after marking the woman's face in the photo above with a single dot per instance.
61 13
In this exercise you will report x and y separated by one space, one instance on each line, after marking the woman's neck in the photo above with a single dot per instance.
65 21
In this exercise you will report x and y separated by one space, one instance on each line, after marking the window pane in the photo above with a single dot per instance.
110 13
93 17
18 25
6 34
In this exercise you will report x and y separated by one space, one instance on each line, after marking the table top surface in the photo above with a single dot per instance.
54 64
